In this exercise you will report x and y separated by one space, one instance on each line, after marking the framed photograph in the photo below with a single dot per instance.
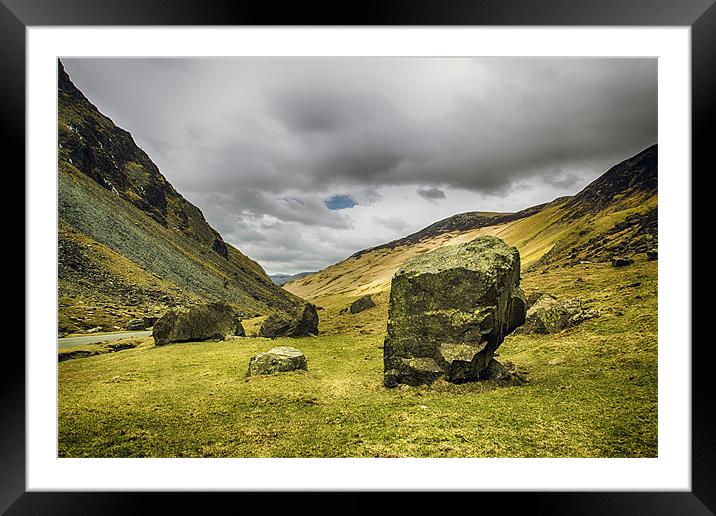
398 250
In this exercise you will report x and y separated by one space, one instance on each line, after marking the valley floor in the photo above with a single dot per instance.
592 391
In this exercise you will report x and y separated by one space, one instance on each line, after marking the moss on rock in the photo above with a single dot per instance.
452 307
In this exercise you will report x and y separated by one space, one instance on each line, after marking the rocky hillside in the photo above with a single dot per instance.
129 244
614 215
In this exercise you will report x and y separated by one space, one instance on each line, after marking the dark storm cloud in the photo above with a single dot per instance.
431 194
306 110
259 144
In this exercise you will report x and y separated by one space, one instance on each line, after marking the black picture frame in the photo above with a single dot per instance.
699 15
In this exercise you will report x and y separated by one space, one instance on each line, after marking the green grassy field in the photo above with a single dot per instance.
592 390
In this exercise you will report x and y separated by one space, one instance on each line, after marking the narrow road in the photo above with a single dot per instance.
67 342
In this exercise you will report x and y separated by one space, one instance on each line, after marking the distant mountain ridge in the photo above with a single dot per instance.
459 222
615 214
280 279
128 242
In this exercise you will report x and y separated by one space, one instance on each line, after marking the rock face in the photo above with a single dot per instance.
450 309
298 324
277 360
362 303
202 322
548 315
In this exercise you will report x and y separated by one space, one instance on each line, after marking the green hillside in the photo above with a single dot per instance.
129 244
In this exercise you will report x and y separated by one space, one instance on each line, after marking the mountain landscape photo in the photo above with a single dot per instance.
357 257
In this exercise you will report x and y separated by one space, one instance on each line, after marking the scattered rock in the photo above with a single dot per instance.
450 309
533 297
142 323
198 323
298 324
277 360
621 261
548 315
95 329
361 304
652 254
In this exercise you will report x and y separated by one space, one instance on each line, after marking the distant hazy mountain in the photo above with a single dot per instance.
280 279
129 243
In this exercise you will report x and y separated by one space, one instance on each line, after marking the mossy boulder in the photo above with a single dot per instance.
449 310
212 321
291 324
277 360
548 315
361 304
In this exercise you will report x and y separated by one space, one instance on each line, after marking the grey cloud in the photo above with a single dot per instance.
392 223
431 194
306 210
323 109
258 144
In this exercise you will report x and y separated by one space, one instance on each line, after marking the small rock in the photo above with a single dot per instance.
95 329
652 255
136 324
277 360
361 304
621 261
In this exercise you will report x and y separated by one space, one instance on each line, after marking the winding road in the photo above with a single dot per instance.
67 342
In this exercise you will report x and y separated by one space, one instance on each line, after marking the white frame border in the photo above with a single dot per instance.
670 471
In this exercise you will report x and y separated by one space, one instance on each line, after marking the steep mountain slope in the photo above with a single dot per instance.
615 214
128 243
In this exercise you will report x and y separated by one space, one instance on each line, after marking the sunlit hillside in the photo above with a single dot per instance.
551 237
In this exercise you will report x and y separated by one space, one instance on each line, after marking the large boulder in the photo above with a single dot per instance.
202 322
295 324
362 303
450 309
548 315
277 360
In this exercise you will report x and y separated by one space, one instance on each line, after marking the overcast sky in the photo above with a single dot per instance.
301 162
